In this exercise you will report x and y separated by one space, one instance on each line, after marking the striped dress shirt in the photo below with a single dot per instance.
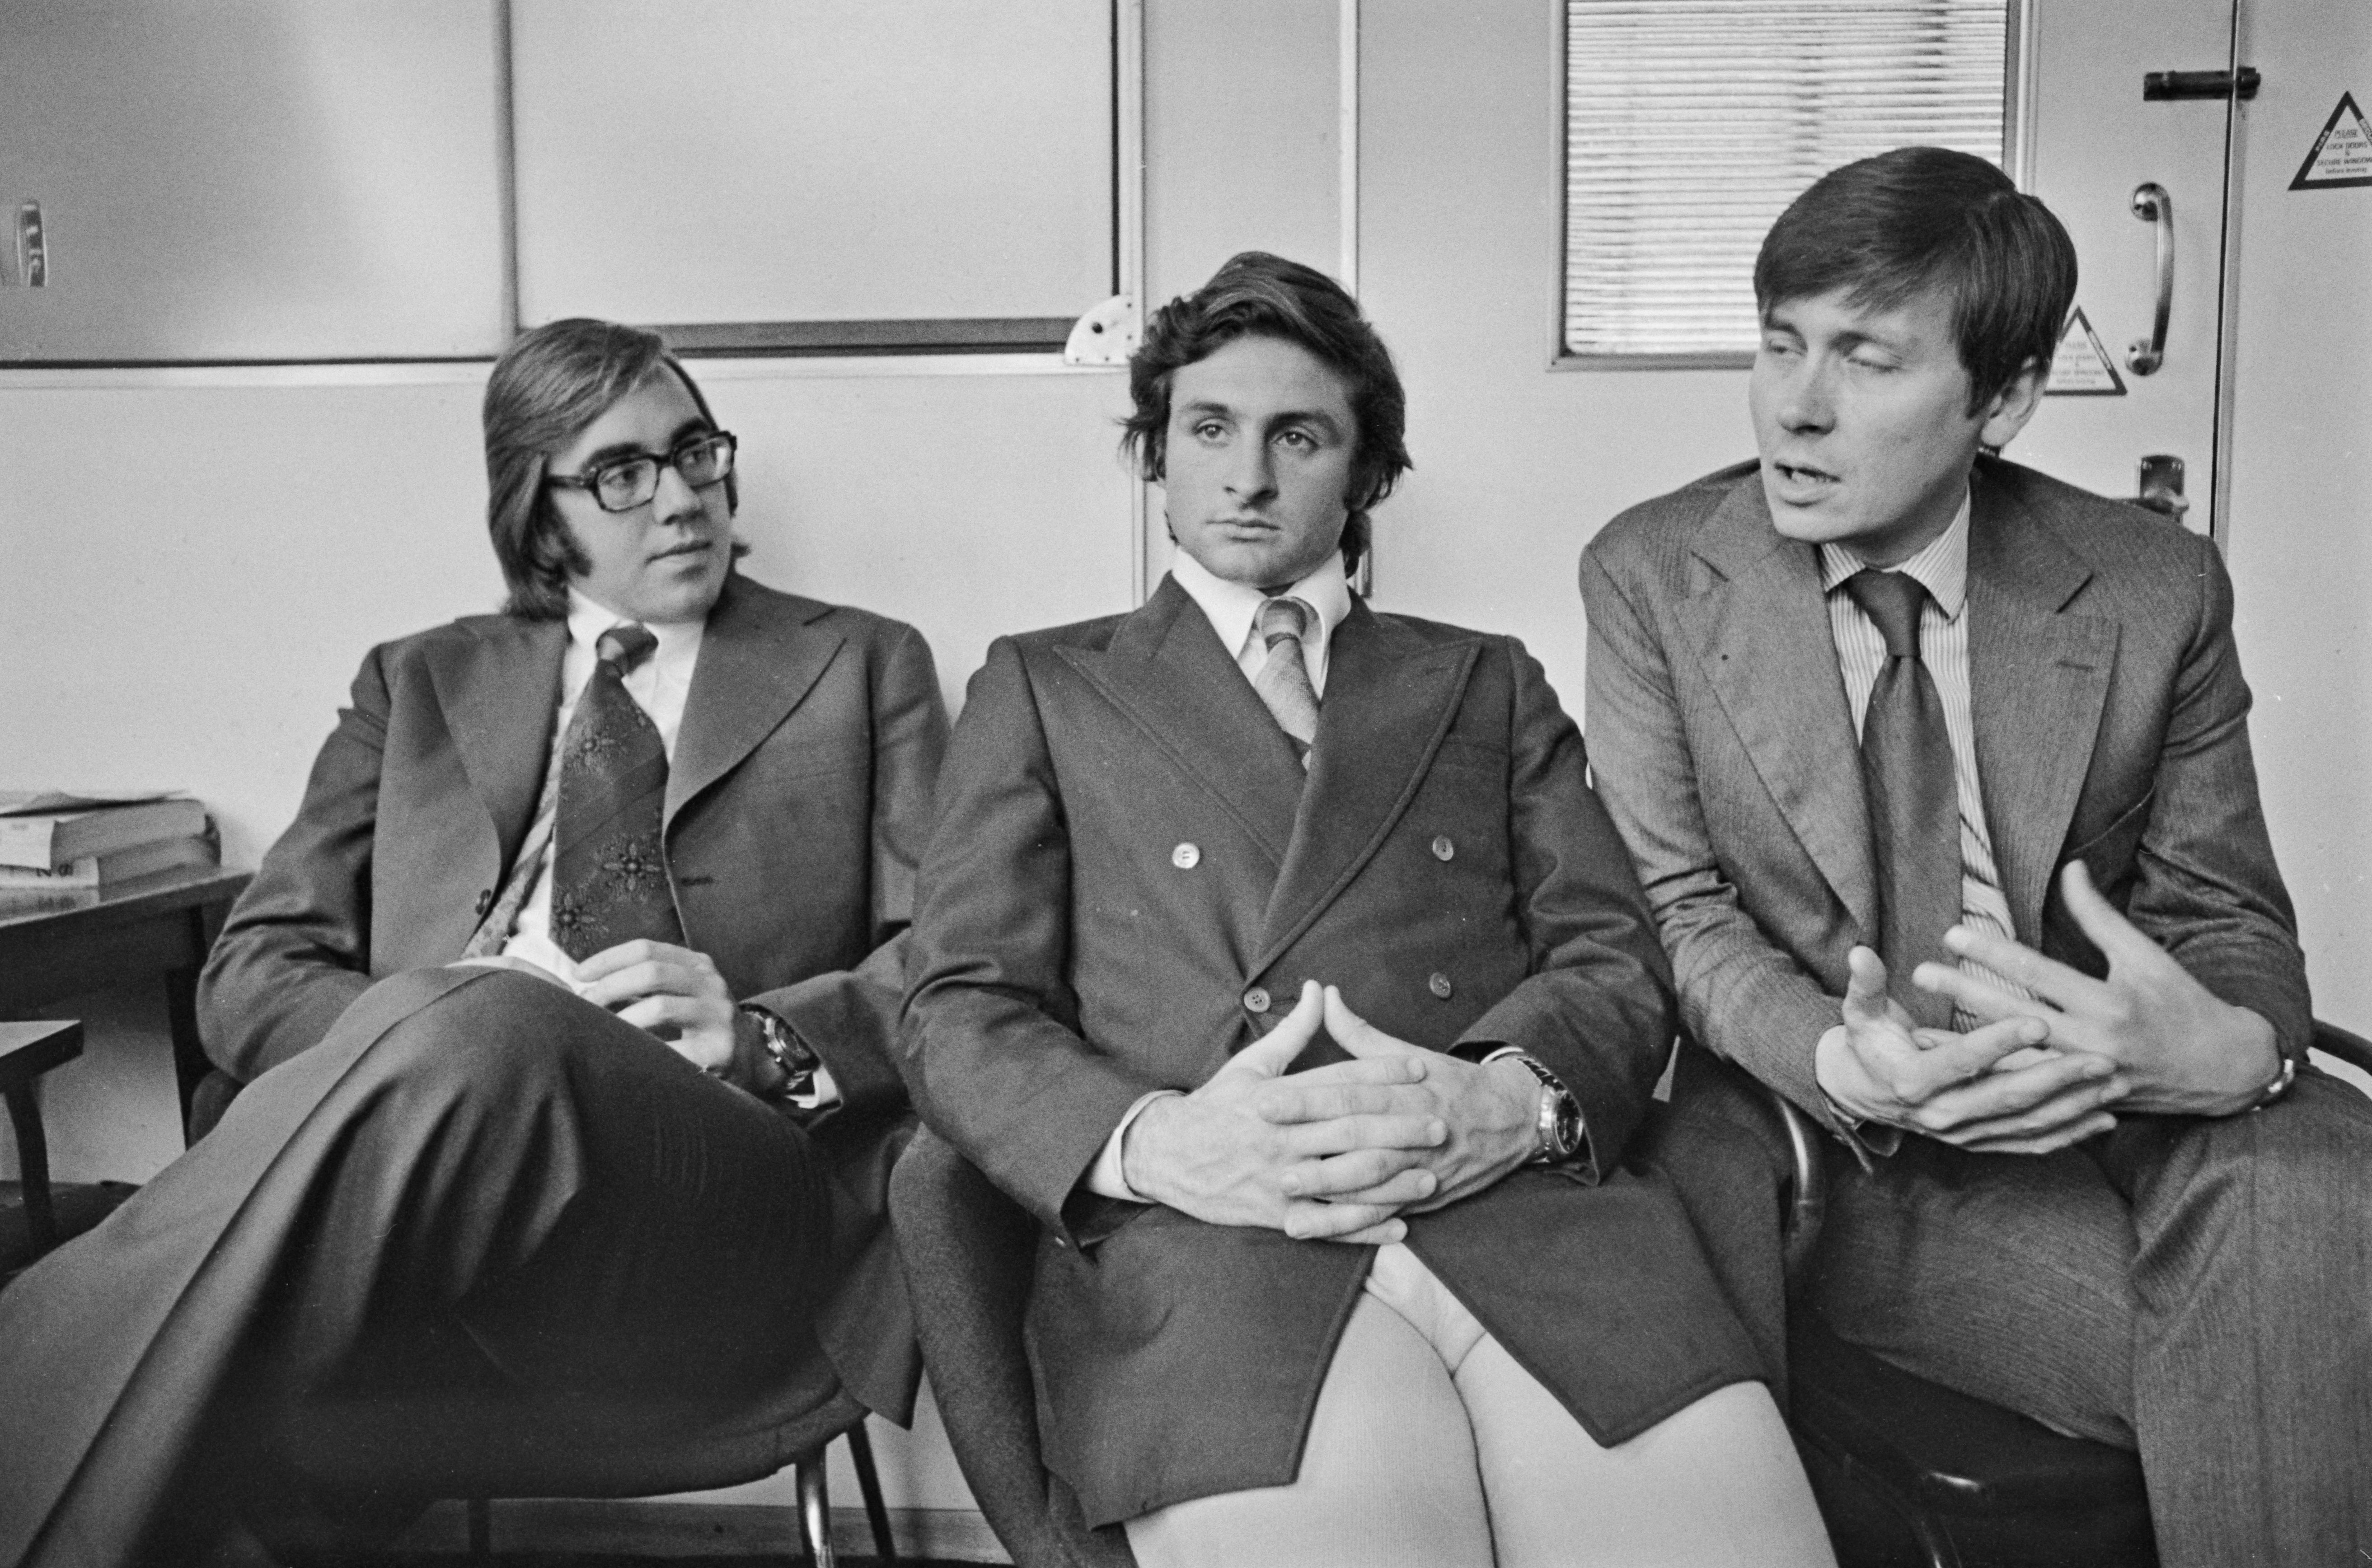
1943 569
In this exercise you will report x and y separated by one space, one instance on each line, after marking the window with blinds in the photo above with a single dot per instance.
1691 124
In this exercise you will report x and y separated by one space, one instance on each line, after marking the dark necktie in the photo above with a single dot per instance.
1914 796
1283 681
609 870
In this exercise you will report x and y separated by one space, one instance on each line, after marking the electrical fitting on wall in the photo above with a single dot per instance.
31 254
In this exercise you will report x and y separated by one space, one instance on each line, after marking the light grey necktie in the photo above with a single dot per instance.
1283 681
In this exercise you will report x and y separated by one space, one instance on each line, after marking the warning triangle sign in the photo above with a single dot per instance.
2341 155
2080 368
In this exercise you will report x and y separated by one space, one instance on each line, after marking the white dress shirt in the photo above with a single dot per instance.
1233 609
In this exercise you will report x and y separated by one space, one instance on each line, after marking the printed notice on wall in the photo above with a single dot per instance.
2080 366
2342 155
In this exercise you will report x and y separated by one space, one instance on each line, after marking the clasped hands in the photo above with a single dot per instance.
1335 1153
2043 1072
671 993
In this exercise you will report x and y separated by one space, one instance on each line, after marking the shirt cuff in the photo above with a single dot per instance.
1105 1178
822 1092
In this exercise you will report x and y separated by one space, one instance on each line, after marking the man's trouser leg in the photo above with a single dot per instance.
2252 1347
476 1181
2197 1288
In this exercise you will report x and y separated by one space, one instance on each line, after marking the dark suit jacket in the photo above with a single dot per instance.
1443 863
2111 723
796 806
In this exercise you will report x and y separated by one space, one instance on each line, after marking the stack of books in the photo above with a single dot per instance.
67 840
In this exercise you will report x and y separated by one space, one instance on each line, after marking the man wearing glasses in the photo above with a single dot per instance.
564 1012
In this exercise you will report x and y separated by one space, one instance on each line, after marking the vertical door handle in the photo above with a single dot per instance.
2153 206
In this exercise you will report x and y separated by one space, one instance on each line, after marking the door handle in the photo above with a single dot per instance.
2153 206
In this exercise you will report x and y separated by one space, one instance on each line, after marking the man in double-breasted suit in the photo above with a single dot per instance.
2097 1180
565 1009
1276 956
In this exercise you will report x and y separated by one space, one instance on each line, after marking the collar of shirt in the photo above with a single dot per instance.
659 685
1233 608
1942 568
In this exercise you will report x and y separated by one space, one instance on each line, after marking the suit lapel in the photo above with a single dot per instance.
758 657
1166 671
1761 636
1390 696
2037 678
502 685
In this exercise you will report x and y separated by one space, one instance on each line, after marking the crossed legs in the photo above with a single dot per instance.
1430 1447
478 1193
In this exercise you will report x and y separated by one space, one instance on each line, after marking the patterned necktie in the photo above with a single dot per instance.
609 869
1914 796
1283 681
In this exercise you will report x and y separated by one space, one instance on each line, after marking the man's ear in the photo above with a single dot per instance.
2014 405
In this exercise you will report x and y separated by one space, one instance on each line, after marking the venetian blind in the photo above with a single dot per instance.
1690 124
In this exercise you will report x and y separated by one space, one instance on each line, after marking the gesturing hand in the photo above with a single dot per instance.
1211 1155
1490 1115
674 992
2183 1049
1985 1090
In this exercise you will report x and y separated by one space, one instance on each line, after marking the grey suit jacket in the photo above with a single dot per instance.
796 806
1443 863
2111 721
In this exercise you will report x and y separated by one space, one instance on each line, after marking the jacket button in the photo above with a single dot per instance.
1185 857
1442 848
1439 985
485 901
1256 1000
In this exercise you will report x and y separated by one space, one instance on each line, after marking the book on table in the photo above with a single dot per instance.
101 872
53 841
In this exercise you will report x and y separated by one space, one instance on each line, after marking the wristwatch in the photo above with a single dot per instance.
789 1053
1560 1127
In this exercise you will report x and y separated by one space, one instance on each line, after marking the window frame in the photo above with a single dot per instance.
896 336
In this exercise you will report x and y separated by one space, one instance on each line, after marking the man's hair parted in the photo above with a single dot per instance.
552 382
1260 296
1889 227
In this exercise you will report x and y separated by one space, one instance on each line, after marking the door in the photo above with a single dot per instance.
2140 184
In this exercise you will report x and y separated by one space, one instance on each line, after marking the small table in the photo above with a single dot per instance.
56 945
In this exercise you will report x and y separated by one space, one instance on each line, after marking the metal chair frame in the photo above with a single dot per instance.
815 1506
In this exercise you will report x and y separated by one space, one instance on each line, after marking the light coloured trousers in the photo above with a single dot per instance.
1431 1447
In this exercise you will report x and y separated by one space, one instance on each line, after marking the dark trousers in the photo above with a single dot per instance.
479 1206
2199 1289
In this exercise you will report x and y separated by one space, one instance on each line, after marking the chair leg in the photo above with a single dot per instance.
33 1169
814 1510
480 1513
868 1481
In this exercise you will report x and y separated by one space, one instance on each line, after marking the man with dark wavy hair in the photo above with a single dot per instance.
1937 771
563 1013
1274 955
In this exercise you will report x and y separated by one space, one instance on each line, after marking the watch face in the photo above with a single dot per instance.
1568 1127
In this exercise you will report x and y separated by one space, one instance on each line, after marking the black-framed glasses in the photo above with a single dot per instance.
623 484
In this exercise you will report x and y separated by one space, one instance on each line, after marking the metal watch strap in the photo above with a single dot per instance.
798 1063
1557 1107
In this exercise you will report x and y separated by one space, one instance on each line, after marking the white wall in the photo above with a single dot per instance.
2301 520
1516 465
